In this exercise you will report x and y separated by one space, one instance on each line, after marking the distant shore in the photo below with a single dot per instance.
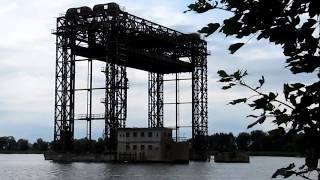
275 153
251 153
22 152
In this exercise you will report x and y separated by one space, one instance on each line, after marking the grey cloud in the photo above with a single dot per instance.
27 67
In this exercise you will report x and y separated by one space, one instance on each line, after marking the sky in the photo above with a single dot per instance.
27 69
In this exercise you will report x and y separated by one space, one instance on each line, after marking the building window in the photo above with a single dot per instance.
134 134
127 134
142 134
149 134
157 134
149 147
157 148
142 147
127 147
134 147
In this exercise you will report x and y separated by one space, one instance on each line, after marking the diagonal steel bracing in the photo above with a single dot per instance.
155 100
199 101
64 92
115 95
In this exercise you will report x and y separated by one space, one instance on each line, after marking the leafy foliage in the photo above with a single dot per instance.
209 29
235 47
293 24
299 112
289 23
285 172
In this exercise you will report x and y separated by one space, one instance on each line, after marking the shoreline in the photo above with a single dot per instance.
22 152
251 153
275 153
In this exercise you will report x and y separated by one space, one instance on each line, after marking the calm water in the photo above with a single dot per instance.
27 167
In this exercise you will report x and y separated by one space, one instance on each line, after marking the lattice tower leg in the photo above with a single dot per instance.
200 104
155 100
64 96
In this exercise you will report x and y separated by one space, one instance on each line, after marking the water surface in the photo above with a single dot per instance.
27 167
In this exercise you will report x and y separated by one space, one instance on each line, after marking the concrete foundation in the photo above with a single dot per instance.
69 157
231 157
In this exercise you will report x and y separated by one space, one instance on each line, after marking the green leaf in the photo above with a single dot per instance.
232 25
209 29
226 87
222 73
226 79
292 99
261 81
288 88
285 172
200 7
260 121
269 107
236 101
254 116
235 47
245 73
272 96
297 86
237 75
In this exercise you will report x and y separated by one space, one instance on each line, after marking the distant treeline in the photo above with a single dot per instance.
256 141
9 144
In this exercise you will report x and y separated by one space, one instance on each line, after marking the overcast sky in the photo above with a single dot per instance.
27 64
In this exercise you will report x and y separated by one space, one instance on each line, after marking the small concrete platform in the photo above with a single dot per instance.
231 157
70 157
101 158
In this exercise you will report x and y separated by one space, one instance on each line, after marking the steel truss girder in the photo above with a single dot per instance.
127 24
155 100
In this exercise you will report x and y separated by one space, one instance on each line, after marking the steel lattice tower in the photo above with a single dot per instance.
109 34
155 100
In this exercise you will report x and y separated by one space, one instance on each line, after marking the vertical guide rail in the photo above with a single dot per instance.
64 90
199 101
155 100
177 107
89 100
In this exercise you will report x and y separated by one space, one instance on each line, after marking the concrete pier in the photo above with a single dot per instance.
70 157
231 157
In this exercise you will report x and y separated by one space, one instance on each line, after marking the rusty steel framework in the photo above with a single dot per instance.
109 34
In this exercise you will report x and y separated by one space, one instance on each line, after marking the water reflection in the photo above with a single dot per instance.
27 167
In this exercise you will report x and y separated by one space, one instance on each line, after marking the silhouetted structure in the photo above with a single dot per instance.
109 34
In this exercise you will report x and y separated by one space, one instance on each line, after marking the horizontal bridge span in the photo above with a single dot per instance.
138 59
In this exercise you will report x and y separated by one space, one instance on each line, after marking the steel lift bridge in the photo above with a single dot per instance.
108 34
